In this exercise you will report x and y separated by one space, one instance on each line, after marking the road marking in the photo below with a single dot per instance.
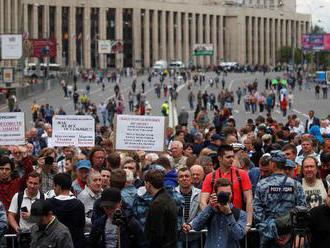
231 83
298 112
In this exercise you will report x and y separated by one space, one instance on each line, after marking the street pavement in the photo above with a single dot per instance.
304 100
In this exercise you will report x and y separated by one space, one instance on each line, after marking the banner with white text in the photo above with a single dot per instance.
134 132
12 128
73 130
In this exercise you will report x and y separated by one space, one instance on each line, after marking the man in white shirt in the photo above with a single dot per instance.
20 206
89 195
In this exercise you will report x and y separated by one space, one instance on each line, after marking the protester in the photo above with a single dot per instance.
48 231
161 222
105 176
115 227
89 195
313 186
191 197
197 173
68 210
9 182
319 224
20 206
83 170
178 159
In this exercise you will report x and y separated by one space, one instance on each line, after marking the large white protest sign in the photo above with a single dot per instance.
73 130
135 132
12 128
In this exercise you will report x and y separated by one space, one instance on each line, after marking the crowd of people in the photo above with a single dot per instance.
227 185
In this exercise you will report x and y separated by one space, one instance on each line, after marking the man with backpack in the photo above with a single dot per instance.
225 223
20 206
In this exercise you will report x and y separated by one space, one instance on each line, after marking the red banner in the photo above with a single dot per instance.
44 47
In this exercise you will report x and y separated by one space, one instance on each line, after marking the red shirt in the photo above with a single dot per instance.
231 176
8 190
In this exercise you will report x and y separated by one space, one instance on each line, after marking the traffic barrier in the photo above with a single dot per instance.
204 232
11 240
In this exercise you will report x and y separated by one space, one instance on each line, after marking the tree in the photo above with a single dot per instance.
316 29
284 55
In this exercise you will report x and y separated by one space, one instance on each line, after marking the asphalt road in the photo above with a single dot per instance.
304 100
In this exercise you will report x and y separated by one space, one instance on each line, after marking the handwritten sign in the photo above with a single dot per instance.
12 128
135 132
73 130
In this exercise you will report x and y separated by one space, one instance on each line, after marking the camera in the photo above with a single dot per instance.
223 198
49 160
118 218
24 239
299 217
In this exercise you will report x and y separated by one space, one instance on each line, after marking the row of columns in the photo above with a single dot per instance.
258 38
265 36
9 17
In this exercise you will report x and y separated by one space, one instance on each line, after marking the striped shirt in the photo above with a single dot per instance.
187 198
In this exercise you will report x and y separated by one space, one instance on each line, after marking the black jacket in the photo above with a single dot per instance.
316 122
131 234
319 220
161 222
71 213
56 235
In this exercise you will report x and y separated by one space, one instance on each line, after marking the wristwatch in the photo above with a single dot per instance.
248 224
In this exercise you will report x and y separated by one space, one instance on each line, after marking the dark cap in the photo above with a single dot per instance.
110 197
278 156
39 209
216 136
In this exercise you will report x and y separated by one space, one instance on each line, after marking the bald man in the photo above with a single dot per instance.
198 175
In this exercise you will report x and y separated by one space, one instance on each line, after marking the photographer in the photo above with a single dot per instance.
225 224
115 229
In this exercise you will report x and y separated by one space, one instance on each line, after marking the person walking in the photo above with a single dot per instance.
325 91
161 222
191 99
239 95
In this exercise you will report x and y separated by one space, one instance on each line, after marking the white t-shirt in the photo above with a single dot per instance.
315 195
27 202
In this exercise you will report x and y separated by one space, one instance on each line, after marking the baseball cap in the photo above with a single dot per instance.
110 197
290 164
278 156
39 209
84 164
217 137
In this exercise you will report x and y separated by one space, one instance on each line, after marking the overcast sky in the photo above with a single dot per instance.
321 16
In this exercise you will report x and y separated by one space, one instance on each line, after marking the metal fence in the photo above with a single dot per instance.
11 240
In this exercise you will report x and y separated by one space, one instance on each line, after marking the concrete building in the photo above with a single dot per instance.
245 31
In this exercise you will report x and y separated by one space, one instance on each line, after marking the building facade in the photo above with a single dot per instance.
245 31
